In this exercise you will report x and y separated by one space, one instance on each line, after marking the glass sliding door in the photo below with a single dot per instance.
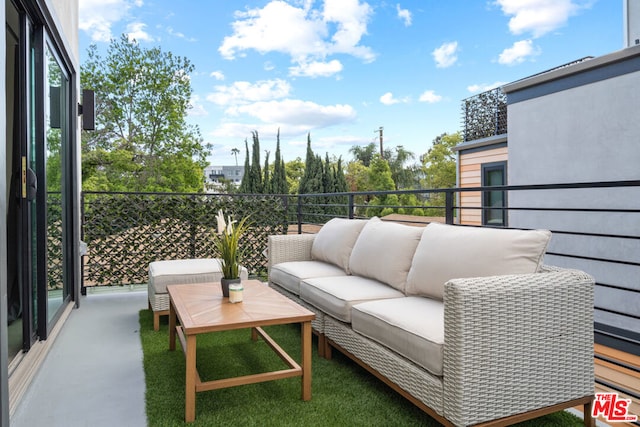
56 134
39 145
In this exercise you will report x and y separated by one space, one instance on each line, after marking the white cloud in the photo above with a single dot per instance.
307 35
446 55
518 53
404 15
243 92
179 35
539 17
135 31
316 69
218 75
430 97
387 99
297 113
292 117
483 87
96 17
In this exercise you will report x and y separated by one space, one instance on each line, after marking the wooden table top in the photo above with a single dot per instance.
201 308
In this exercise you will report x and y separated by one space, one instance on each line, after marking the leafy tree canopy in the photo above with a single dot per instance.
440 162
142 141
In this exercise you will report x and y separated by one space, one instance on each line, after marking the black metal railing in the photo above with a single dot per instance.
124 232
601 239
595 226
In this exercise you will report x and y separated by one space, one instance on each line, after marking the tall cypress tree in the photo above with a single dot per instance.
245 185
340 186
340 181
266 183
255 173
311 182
279 184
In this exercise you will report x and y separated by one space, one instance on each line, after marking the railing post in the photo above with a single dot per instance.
194 228
299 215
285 222
351 207
448 206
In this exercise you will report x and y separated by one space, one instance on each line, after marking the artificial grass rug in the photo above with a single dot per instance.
343 394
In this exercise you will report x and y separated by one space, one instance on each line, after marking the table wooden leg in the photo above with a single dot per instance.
172 327
190 380
306 360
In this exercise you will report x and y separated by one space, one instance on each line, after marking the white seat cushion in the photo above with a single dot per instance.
384 251
410 326
335 240
289 274
185 271
336 295
448 252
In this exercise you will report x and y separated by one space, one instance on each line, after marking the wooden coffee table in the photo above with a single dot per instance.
202 309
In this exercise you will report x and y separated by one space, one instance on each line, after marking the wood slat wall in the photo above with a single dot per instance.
618 376
470 171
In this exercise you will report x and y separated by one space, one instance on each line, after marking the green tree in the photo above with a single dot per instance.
279 180
364 154
380 180
235 153
439 165
244 184
311 180
142 141
266 182
294 171
404 176
255 172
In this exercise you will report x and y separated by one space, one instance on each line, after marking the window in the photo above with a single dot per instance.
494 202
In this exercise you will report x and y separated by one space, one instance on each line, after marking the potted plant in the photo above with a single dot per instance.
227 239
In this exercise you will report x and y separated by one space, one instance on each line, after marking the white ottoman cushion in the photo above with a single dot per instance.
185 271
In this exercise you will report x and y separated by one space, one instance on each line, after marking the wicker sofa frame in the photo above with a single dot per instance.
499 366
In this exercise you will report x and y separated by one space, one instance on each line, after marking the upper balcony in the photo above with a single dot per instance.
484 115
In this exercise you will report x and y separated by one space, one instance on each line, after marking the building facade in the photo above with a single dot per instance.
580 124
577 123
40 190
215 176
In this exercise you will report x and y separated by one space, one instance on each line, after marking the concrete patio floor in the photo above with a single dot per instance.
93 374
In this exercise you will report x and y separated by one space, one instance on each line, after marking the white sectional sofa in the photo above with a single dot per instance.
464 322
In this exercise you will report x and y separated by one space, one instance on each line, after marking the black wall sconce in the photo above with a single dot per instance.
88 109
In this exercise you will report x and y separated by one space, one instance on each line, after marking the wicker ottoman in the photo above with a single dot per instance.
175 272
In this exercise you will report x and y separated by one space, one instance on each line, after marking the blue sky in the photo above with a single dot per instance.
341 69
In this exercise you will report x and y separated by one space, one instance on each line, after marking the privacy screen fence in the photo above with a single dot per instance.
124 232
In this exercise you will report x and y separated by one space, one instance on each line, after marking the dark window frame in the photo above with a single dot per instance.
488 214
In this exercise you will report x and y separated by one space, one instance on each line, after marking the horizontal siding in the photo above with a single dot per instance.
469 175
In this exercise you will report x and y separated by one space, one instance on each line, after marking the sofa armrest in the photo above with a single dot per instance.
289 247
515 343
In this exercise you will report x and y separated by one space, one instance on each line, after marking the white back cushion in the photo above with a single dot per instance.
335 240
384 251
448 252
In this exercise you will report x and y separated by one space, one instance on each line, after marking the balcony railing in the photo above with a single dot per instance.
126 231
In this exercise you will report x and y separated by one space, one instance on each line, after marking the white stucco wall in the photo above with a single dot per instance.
583 132
66 14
